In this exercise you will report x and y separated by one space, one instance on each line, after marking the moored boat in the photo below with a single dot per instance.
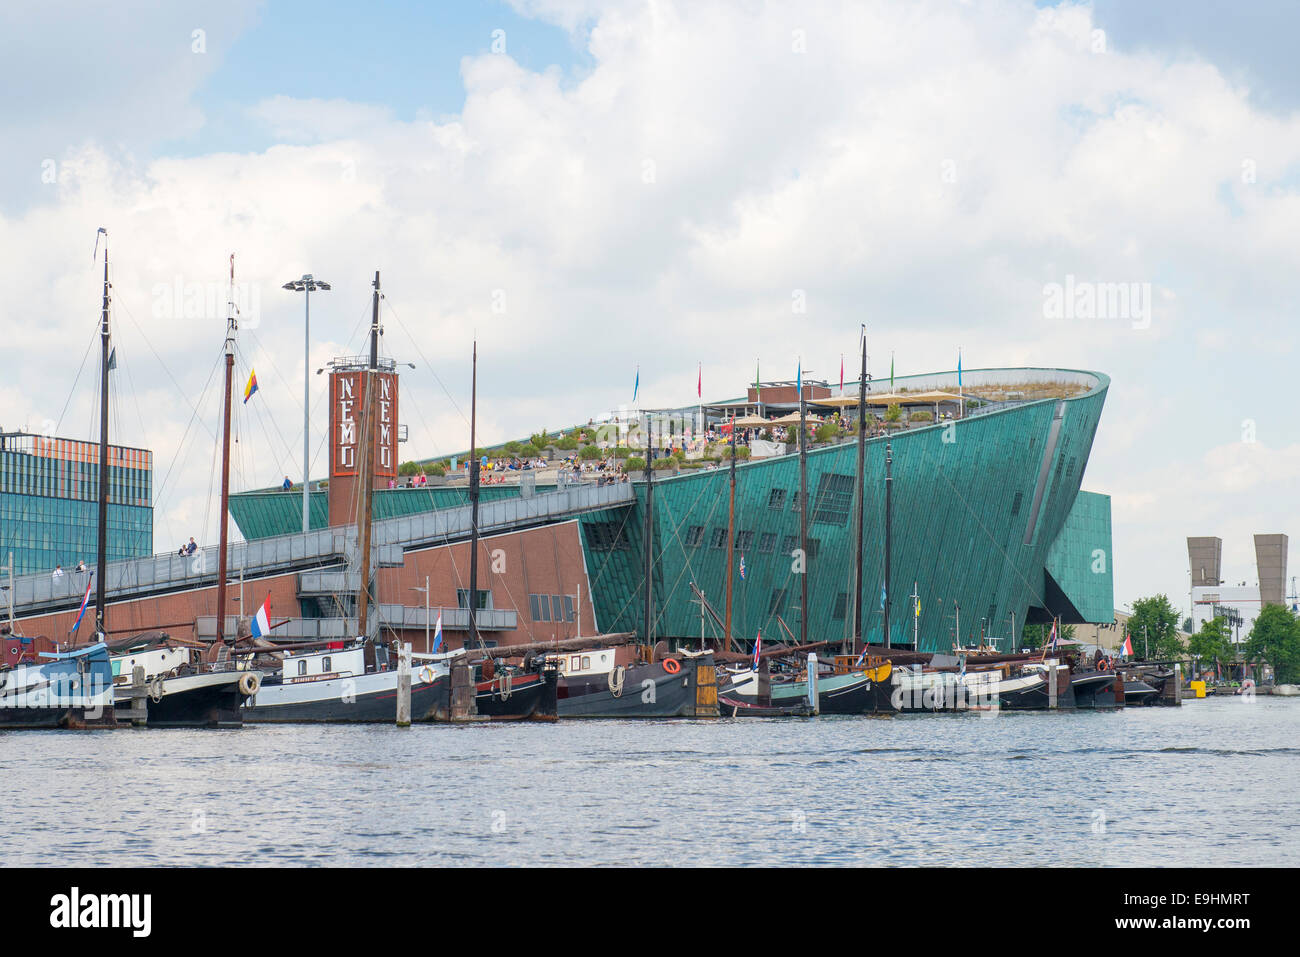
592 685
71 689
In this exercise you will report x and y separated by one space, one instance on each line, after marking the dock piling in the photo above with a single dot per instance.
139 704
403 684
812 683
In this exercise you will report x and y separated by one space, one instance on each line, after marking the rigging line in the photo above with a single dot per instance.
161 363
425 360
71 392
185 435
261 421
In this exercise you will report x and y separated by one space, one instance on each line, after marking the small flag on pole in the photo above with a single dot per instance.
261 623
742 566
251 387
1127 650
112 359
637 386
82 610
882 597
891 372
699 386
437 632
841 373
959 368
758 647
799 379
758 392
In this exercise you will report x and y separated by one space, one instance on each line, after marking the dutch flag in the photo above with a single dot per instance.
261 623
84 602
437 632
758 647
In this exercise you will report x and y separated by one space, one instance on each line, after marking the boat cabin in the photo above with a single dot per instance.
594 661
324 664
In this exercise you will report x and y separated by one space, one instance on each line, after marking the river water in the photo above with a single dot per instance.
1213 782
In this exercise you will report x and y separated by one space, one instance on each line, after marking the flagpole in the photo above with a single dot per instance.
803 510
889 482
231 326
858 638
731 531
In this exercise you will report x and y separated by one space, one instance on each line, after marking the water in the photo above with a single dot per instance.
1214 782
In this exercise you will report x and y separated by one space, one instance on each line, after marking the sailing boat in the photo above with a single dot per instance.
333 681
861 689
592 684
184 690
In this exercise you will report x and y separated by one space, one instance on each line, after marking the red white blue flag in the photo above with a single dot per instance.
742 567
437 633
82 610
758 646
261 623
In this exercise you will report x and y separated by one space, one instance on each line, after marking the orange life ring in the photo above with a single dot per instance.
1103 665
671 666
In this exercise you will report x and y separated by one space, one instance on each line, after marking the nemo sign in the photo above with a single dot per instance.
347 410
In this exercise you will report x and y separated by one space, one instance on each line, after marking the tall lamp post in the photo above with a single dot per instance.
306 285
425 589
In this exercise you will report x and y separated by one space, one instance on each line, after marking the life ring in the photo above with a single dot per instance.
1103 665
672 666
250 682
426 675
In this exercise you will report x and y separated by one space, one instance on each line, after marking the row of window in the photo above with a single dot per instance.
745 540
63 478
777 604
551 607
44 532
833 502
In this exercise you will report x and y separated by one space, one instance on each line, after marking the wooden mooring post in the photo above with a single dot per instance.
813 700
139 712
403 684
462 707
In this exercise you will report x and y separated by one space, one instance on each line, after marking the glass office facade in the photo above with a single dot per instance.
49 494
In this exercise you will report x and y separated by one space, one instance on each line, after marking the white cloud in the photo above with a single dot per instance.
923 168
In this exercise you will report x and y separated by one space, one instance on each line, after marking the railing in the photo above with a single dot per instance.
329 546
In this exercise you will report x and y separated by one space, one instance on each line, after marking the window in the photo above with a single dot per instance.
1016 502
744 540
789 544
767 543
540 606
694 535
777 605
794 501
557 608
484 598
302 667
325 664
568 608
776 499
586 662
834 499
606 536
841 606
719 539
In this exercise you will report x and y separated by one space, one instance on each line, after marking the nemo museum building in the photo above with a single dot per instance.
989 528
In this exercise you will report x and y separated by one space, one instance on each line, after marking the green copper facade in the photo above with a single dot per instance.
980 506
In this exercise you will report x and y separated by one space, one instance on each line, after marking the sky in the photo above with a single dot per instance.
590 187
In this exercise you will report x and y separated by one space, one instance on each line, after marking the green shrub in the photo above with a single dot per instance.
408 468
921 415
679 455
622 453
530 451
437 468
590 452
541 440
827 431
566 444
742 452
894 413
634 463
514 448
664 463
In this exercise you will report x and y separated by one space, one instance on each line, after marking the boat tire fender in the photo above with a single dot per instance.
250 683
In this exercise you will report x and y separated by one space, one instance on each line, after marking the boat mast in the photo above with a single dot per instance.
473 503
649 531
231 326
803 511
101 555
862 494
731 534
889 482
366 492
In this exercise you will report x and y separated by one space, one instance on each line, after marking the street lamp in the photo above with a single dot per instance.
306 285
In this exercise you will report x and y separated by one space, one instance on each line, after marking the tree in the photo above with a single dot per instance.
1275 638
893 413
1212 642
1153 629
